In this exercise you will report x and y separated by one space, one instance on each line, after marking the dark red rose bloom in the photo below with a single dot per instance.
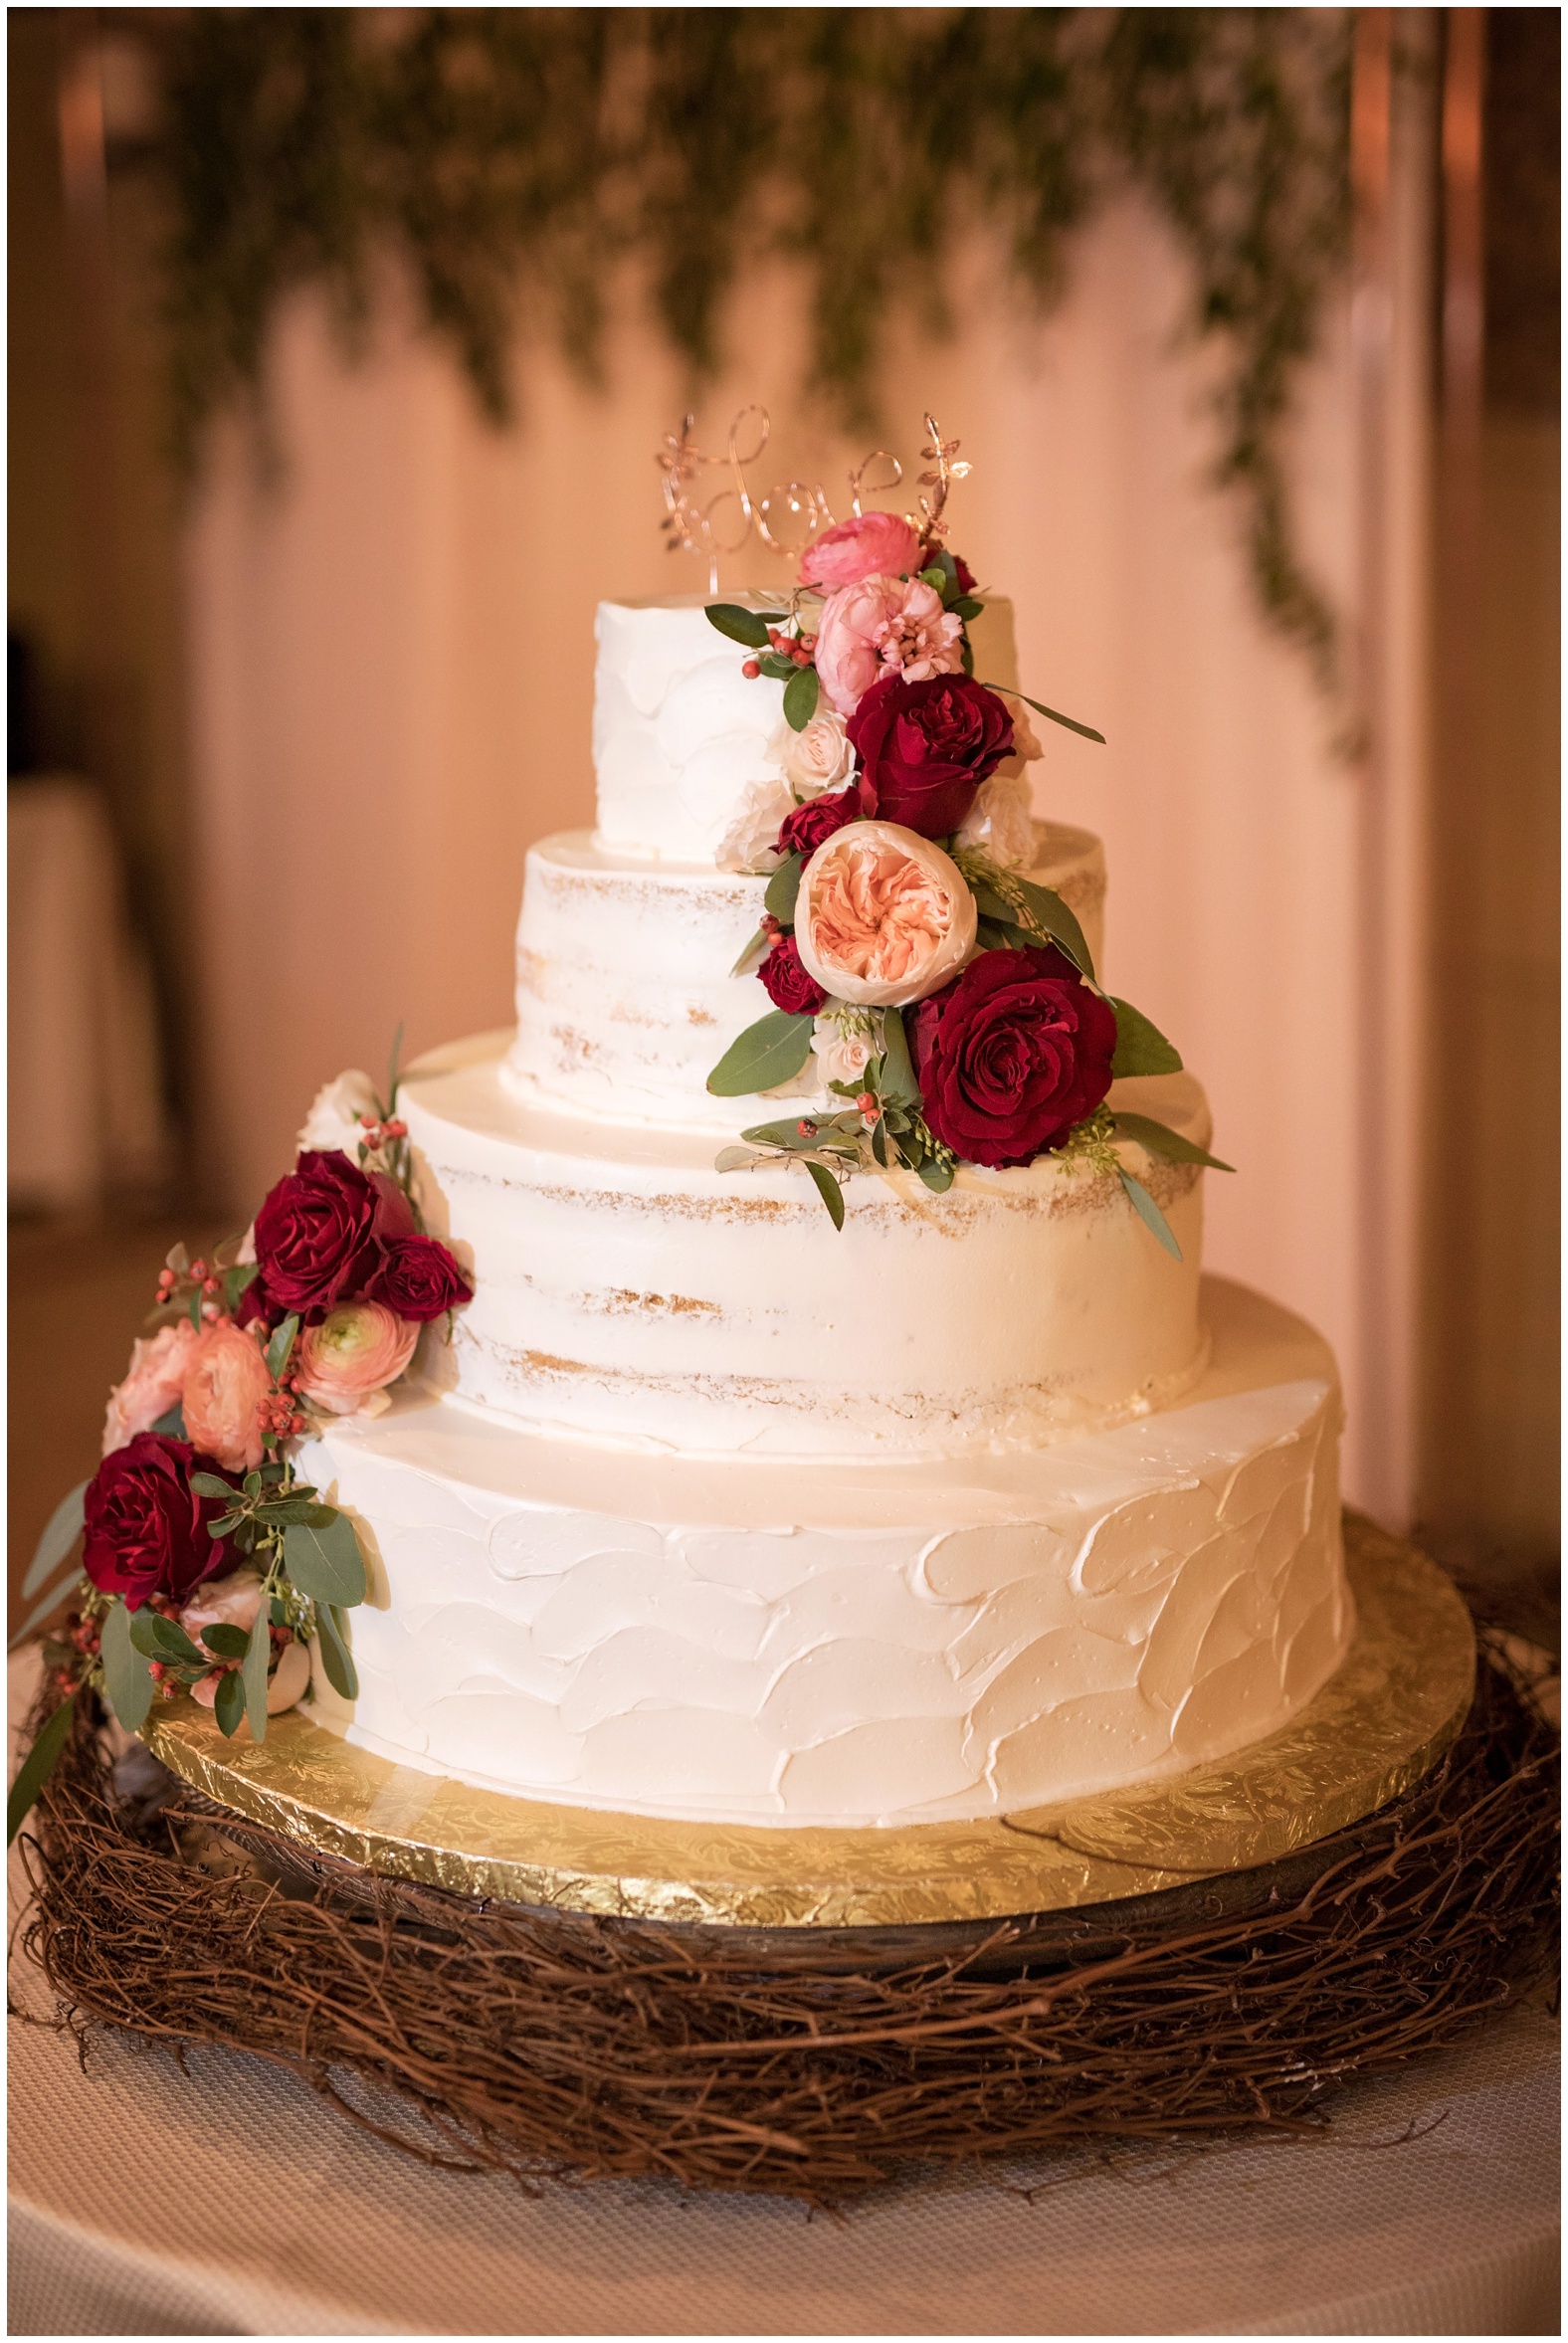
788 985
966 576
147 1529
808 826
321 1233
1012 1054
418 1279
925 749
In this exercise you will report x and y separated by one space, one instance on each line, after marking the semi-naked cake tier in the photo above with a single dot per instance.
981 1502
849 1642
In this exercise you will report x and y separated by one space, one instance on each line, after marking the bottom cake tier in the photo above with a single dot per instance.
832 1643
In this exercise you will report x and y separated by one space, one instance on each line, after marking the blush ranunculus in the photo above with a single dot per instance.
226 1381
145 1526
153 1381
873 545
883 627
320 1233
1012 1055
882 916
809 826
925 748
355 1351
786 982
419 1280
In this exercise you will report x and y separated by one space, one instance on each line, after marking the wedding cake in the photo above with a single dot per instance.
888 1462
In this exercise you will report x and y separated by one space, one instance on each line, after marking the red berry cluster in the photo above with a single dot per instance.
802 649
278 1413
200 1278
378 1134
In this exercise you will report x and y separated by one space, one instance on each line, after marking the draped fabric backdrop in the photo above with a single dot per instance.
392 656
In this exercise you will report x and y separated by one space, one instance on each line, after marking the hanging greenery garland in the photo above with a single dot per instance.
518 158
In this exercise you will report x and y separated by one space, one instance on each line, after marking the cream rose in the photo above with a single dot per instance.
815 759
226 1381
842 1043
752 840
153 1381
346 1362
998 824
884 916
333 1119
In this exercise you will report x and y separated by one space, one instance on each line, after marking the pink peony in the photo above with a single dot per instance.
879 628
152 1383
882 916
226 1381
876 544
356 1351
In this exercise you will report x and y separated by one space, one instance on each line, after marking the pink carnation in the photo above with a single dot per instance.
226 1381
883 627
876 544
152 1383
357 1350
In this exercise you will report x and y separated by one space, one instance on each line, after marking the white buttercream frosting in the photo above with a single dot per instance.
849 1643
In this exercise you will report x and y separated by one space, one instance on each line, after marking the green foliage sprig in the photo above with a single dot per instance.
513 158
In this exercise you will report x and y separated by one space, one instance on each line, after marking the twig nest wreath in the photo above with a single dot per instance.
884 916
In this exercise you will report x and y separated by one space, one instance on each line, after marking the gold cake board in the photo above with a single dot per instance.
1375 1729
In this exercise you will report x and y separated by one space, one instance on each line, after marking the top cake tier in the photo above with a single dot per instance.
679 733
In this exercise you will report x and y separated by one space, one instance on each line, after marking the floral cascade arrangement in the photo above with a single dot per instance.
949 1001
208 1565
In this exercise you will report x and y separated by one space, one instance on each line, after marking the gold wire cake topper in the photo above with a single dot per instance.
692 526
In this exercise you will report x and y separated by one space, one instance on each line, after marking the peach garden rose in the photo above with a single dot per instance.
226 1381
884 916
355 1352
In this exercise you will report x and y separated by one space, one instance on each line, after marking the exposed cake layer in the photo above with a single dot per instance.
679 733
851 1644
625 1000
627 1291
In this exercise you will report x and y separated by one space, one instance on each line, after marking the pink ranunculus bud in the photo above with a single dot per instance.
152 1383
226 1381
882 916
355 1352
883 627
875 544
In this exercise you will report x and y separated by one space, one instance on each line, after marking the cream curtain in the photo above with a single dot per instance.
392 658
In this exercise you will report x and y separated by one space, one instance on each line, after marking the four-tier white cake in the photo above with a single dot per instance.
984 1502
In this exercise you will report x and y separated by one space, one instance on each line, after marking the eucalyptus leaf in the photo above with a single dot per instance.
741 625
252 1675
829 1189
771 1051
1045 906
1160 1139
285 1510
731 1159
157 1638
194 1308
228 1705
225 1640
789 1134
935 576
394 1067
127 1679
281 1346
938 1176
236 1281
1150 1214
1141 1047
41 1610
800 698
336 1659
898 1080
325 1563
774 665
39 1763
61 1533
1070 724
173 1426
783 888
966 606
754 952
207 1484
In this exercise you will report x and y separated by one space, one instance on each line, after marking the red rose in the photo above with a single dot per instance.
147 1529
966 576
1012 1054
925 749
419 1280
788 985
321 1233
808 826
